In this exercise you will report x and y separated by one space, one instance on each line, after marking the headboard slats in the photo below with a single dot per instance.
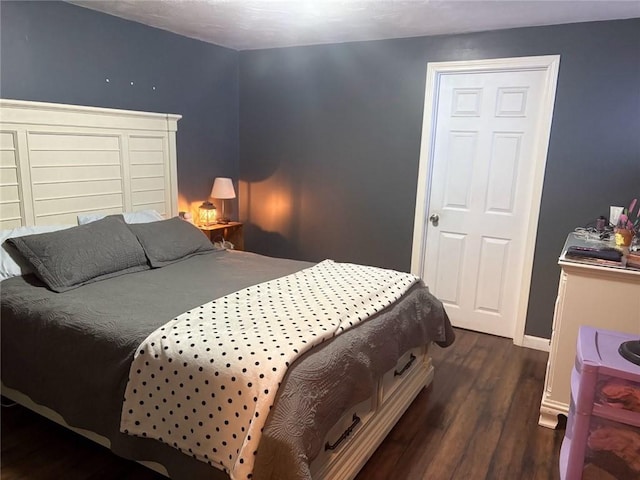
60 160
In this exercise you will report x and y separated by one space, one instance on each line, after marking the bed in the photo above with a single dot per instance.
69 354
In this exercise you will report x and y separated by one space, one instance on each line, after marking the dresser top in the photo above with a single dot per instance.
576 240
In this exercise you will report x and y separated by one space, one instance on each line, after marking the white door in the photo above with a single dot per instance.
484 152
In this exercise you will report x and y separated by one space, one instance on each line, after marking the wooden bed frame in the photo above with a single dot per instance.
346 462
57 161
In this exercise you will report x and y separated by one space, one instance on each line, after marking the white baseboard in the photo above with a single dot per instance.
536 343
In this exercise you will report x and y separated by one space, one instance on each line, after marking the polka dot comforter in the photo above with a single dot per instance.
205 382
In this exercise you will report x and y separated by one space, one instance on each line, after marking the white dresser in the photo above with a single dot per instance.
588 294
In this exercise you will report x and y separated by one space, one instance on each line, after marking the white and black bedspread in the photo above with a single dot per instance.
81 345
206 381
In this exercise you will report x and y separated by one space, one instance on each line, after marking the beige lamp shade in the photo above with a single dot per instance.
223 188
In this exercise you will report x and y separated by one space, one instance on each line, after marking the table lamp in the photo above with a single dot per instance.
223 190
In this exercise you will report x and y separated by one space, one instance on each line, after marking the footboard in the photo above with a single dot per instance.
359 432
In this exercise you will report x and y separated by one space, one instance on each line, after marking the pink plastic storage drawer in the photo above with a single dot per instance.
602 440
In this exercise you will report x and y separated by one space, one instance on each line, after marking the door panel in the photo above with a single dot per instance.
459 170
503 173
450 258
490 286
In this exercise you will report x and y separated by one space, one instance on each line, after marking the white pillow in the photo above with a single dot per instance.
12 264
143 216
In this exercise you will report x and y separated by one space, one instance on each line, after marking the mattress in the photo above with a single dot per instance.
71 352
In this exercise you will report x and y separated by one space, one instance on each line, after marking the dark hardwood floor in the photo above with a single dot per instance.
478 420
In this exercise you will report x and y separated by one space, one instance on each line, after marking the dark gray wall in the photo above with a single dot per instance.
330 140
330 134
57 52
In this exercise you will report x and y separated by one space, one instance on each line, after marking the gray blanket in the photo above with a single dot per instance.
71 352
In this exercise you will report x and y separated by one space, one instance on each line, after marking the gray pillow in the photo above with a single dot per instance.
69 258
168 241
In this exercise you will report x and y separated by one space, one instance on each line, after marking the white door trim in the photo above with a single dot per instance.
550 65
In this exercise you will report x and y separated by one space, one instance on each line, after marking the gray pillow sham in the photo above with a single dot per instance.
168 241
79 255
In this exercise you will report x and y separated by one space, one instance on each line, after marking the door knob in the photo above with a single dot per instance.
434 219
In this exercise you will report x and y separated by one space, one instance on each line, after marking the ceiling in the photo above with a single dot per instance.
257 24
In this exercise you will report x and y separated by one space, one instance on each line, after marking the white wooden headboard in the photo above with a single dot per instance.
60 160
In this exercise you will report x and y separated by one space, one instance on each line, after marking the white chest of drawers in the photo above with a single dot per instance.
588 294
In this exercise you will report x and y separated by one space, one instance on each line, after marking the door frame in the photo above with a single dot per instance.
550 64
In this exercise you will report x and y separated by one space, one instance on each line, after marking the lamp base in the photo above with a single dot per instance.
223 220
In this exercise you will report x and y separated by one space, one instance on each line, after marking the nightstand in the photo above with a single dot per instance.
231 232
